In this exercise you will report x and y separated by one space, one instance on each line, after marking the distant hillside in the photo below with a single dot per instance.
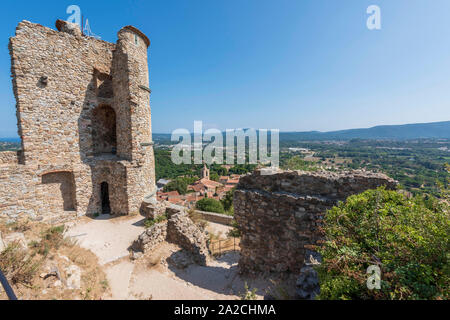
13 140
438 130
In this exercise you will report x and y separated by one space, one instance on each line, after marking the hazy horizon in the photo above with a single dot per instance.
281 131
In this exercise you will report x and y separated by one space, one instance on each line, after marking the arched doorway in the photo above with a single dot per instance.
104 197
104 130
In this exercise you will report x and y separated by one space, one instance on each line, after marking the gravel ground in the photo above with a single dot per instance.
151 276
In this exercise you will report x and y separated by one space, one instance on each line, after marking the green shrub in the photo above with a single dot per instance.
235 232
150 222
407 238
227 202
248 294
210 205
51 238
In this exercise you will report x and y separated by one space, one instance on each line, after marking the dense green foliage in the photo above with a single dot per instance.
218 169
180 184
417 164
297 163
235 232
166 169
242 168
407 238
210 205
227 201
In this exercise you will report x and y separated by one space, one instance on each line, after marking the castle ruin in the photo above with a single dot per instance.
280 214
83 111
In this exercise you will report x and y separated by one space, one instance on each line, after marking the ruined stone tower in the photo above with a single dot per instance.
83 110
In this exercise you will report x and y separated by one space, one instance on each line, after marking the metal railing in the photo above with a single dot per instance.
9 291
219 247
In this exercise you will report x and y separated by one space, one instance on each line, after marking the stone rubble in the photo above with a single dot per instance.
185 233
308 281
178 229
73 280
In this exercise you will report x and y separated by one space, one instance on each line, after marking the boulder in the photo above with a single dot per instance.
73 274
15 237
307 284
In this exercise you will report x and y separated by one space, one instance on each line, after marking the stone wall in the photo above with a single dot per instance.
10 157
150 238
82 113
280 214
215 217
182 231
178 229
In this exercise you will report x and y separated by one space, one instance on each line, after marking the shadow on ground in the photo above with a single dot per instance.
220 275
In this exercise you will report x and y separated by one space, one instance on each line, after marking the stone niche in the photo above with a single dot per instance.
104 135
280 214
59 190
103 84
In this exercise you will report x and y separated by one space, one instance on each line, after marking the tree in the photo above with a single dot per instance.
217 168
214 176
210 205
178 184
406 238
227 201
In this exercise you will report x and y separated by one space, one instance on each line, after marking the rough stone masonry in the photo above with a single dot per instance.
83 111
178 229
279 214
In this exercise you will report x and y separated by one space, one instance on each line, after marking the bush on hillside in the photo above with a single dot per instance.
406 238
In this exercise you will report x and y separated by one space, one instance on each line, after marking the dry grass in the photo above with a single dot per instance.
19 265
23 266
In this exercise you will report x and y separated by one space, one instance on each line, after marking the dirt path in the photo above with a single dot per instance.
109 238
152 277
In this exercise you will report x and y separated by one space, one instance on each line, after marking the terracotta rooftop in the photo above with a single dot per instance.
210 183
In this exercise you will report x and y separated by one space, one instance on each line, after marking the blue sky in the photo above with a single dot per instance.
294 65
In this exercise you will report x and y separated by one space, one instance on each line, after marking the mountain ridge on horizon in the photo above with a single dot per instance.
407 131
436 130
429 130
